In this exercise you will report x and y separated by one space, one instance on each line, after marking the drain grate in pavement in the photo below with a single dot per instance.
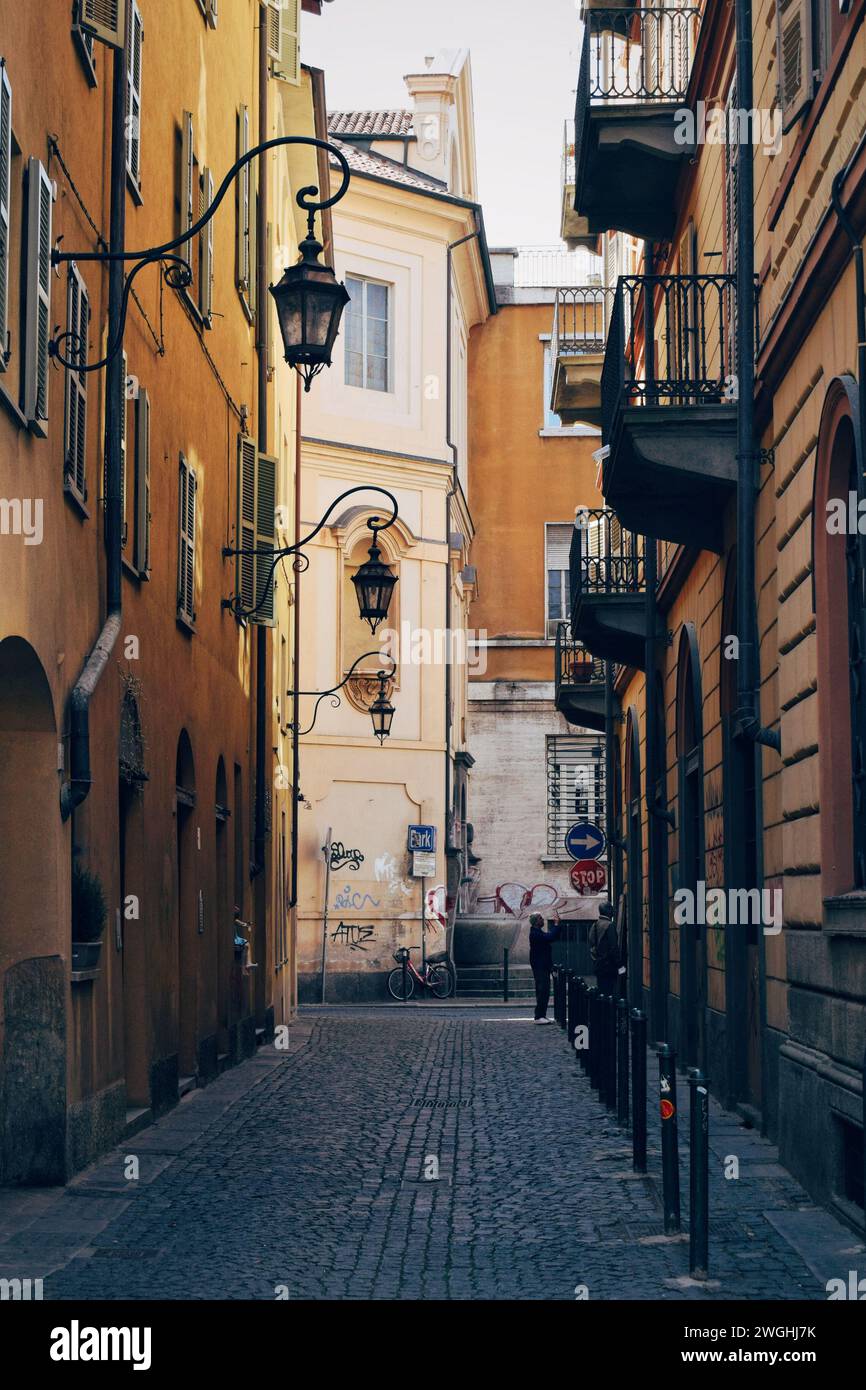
442 1104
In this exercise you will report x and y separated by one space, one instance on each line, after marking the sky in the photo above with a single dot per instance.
524 72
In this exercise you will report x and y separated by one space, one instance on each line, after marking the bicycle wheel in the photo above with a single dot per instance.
395 984
441 981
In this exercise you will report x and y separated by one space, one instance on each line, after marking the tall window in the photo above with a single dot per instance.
551 420
557 543
368 334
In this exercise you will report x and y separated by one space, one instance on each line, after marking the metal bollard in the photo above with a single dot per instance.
622 1061
610 1053
639 1099
563 996
699 1175
592 1059
582 1020
670 1147
404 966
505 975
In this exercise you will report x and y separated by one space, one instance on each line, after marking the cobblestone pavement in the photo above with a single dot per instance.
303 1175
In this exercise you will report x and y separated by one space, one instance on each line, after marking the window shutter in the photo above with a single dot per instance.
213 13
290 48
133 98
253 289
794 57
243 183
77 323
187 160
105 19
186 542
268 308
274 30
141 556
38 296
206 239
5 174
266 499
245 583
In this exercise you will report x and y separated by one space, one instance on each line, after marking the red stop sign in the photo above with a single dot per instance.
588 876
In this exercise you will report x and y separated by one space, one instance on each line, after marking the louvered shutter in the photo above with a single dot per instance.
794 57
213 13
274 24
245 585
243 183
38 296
266 502
253 290
141 557
207 245
289 68
77 323
268 307
187 165
105 19
5 188
186 542
133 96
124 411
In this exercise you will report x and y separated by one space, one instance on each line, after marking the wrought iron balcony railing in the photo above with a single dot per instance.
575 666
671 341
580 320
604 558
633 57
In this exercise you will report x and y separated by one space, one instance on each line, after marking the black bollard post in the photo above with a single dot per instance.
622 1061
639 1099
572 1007
404 967
582 1022
610 1052
670 1147
699 1176
505 975
603 1048
592 1059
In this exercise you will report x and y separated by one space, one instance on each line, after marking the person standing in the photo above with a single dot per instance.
541 962
604 950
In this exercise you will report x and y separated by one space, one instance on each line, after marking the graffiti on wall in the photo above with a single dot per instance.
353 900
516 900
353 934
352 858
435 909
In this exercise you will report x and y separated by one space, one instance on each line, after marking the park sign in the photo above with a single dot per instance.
422 839
585 840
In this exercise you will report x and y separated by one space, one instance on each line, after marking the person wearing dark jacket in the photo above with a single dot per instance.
541 962
604 951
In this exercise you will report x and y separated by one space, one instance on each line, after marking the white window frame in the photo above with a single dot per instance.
206 250
388 287
133 97
40 198
550 623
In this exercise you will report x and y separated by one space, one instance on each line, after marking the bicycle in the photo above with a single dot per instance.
438 975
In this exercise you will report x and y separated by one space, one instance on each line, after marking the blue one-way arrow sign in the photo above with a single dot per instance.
585 841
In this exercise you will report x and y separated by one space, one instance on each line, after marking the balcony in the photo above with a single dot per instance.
579 682
670 423
628 147
580 320
608 588
574 230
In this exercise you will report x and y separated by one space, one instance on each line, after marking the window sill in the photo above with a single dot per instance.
11 408
571 432
76 502
129 569
134 189
186 624
845 914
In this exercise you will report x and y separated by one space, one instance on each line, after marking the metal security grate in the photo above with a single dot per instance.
575 786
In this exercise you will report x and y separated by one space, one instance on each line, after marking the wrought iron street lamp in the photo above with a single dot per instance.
381 710
309 298
374 582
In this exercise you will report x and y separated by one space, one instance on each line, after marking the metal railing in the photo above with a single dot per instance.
580 320
551 267
575 666
604 558
690 323
633 56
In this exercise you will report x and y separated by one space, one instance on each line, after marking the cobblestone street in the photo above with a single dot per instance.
302 1175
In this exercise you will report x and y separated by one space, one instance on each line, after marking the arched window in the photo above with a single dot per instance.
840 613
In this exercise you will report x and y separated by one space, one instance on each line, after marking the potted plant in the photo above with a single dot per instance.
89 912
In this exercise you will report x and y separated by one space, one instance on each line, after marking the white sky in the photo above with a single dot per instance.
524 71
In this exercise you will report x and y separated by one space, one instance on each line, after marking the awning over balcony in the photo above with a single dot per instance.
628 146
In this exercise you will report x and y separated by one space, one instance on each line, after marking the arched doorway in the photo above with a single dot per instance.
34 927
739 946
188 908
136 1020
634 860
690 779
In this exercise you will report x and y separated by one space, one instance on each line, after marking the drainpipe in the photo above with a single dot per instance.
258 864
470 236
748 722
74 791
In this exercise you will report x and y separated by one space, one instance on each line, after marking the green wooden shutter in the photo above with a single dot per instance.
266 500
